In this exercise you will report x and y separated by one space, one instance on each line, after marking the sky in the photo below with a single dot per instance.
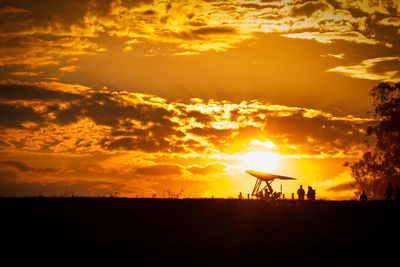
166 98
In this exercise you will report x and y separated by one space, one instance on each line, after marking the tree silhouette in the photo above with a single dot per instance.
381 164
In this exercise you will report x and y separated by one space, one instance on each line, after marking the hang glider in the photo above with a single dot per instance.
268 177
266 192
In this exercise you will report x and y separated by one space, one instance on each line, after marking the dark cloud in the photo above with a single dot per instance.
196 23
125 143
190 145
308 8
104 109
210 132
150 12
4 144
12 10
203 32
255 6
153 145
23 167
25 92
317 132
382 67
150 145
107 109
213 30
18 165
13 116
216 167
134 132
47 13
165 131
60 16
150 124
220 138
159 170
69 115
197 115
109 113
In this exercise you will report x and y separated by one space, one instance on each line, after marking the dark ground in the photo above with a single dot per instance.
202 232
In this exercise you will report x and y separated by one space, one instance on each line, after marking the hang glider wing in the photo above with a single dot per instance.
268 177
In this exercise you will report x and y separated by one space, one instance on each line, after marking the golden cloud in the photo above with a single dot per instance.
184 27
86 121
35 52
329 37
380 69
24 73
76 138
70 68
12 10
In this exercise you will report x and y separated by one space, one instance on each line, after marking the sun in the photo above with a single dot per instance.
261 161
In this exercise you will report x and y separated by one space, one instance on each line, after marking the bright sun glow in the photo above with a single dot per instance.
261 161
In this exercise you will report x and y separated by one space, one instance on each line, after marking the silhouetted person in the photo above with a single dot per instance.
397 193
363 196
240 195
267 194
301 193
311 193
389 192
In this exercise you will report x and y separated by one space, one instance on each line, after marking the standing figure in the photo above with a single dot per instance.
363 196
311 193
301 193
389 192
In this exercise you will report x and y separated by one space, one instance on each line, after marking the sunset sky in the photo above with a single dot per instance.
158 97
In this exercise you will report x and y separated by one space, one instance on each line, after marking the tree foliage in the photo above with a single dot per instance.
381 164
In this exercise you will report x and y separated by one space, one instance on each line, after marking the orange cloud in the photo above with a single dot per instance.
121 121
380 69
106 141
12 10
215 167
24 73
329 37
184 27
35 52
71 68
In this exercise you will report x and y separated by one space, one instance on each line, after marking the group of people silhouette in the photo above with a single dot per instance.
310 193
390 192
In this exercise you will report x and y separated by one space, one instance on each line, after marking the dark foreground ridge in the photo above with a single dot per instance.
199 232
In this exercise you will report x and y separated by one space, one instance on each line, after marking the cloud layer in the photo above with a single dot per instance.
149 138
47 33
139 122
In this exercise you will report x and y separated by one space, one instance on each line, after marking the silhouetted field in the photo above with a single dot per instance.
201 232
